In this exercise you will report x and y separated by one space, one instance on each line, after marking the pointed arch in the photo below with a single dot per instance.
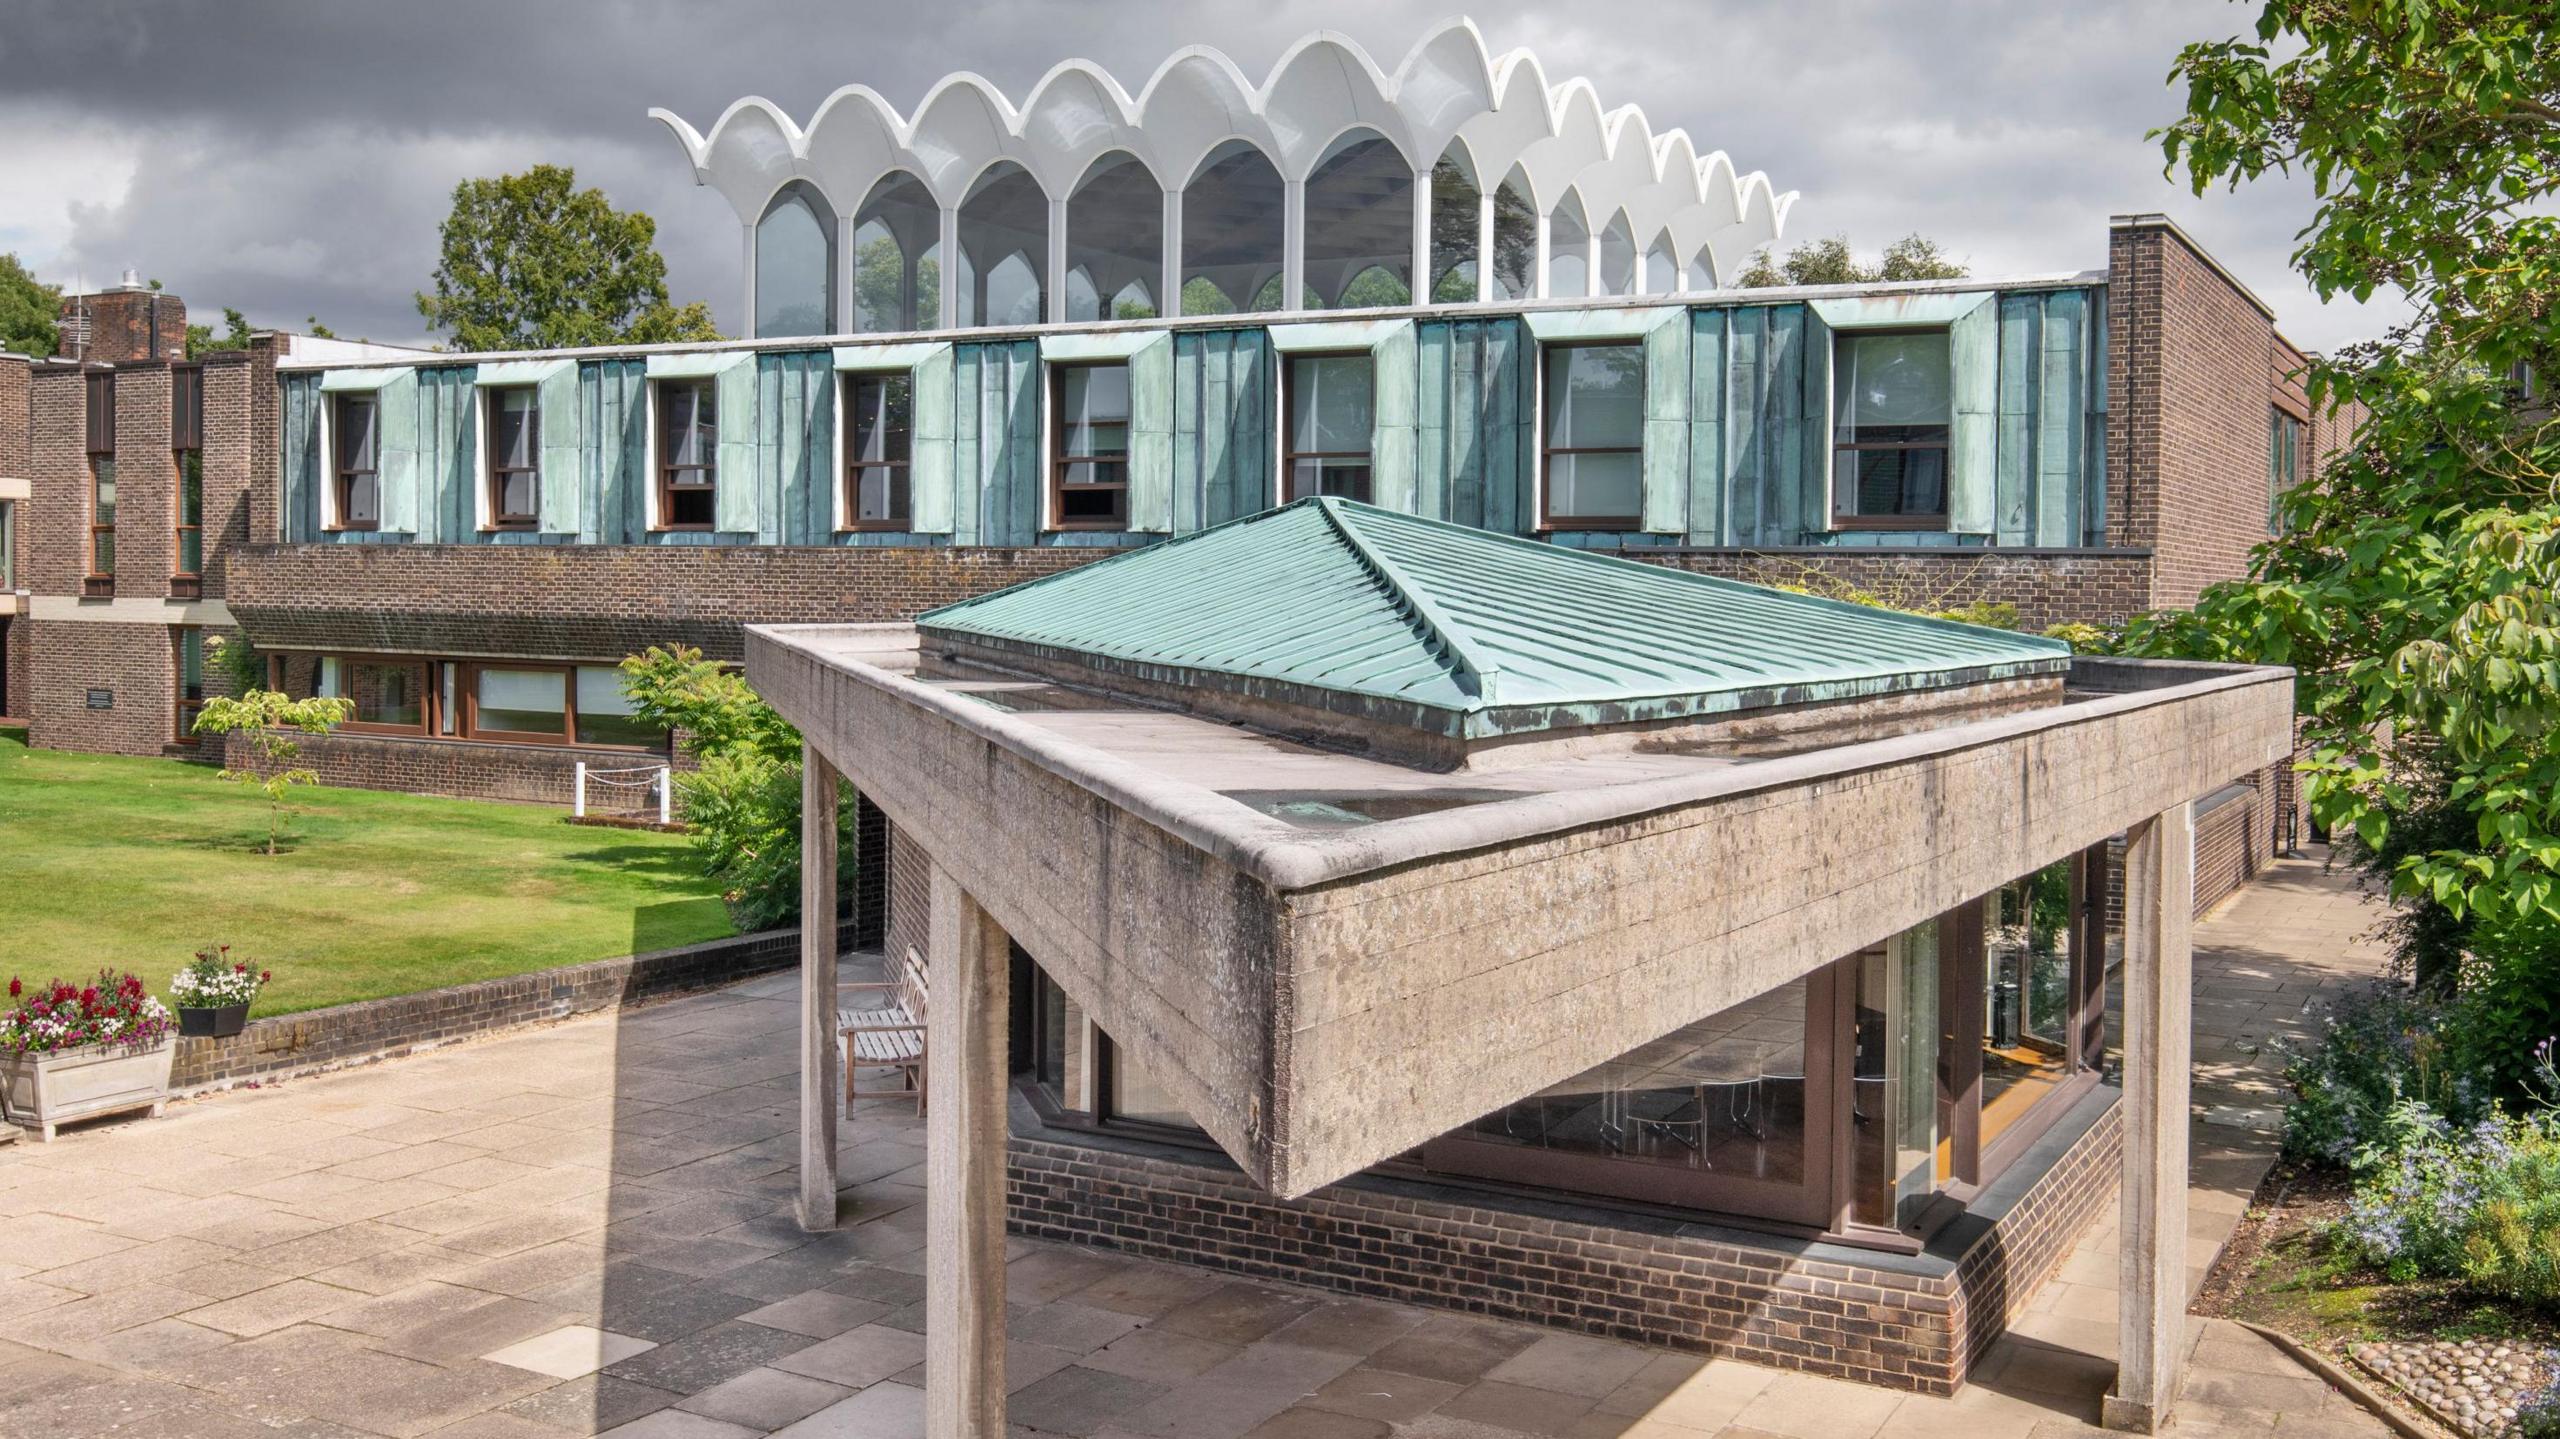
1515 238
795 260
1661 268
1004 248
1619 268
1115 235
1359 221
1457 203
1231 230
1568 248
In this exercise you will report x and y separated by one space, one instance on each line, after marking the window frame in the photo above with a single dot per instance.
342 478
902 473
183 709
493 474
432 710
662 481
1290 455
186 444
1549 522
100 398
1060 460
1914 523
2288 446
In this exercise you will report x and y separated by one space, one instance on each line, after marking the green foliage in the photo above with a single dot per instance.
236 335
270 719
742 804
2383 1048
1937 603
235 659
1830 261
879 277
531 262
27 311
2477 1203
2505 1003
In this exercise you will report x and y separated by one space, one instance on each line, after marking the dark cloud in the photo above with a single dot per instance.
293 159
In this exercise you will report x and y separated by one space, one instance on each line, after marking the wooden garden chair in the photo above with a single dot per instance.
890 1036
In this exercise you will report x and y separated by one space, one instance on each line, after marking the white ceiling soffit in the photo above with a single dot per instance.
1501 111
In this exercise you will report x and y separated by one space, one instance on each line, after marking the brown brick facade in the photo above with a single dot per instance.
123 324
1906 1324
2049 587
463 769
132 665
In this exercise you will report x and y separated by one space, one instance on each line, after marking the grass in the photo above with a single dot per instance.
136 863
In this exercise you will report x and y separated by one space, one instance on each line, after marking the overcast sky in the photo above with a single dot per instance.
294 159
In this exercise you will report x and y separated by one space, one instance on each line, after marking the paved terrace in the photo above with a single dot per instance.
587 1228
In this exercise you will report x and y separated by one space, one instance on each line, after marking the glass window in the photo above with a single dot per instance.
1456 205
515 447
1515 238
796 264
1332 408
355 444
190 512
1231 232
688 453
1359 224
605 711
2028 995
388 695
190 666
1618 264
1890 411
1568 250
1004 249
8 544
879 417
1661 272
2285 447
328 679
1115 241
1700 277
520 702
897 268
1894 1080
102 516
1132 1093
1090 465
1594 440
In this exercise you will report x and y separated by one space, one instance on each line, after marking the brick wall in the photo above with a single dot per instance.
53 531
14 635
2235 834
597 602
230 461
1682 1287
126 325
385 1028
2047 587
146 483
463 769
133 661
16 461
2190 372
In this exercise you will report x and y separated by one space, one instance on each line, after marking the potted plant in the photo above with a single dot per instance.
73 1051
213 993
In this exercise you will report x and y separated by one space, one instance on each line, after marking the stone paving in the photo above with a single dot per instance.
587 1228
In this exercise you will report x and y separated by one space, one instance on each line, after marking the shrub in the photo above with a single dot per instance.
2480 1205
215 979
114 1010
2384 1047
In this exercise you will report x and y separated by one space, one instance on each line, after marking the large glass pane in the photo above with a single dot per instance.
1568 250
1333 404
1889 381
1618 265
1004 249
190 665
1093 410
354 432
8 544
1115 241
897 276
1515 238
1456 206
1231 233
688 421
512 420
364 500
605 711
388 695
1595 397
528 702
1605 486
104 472
190 512
1359 211
328 679
1898 480
2027 999
1894 1079
879 417
1134 1094
795 278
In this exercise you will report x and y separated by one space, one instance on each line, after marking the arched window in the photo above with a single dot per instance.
1661 272
1004 249
1231 219
1568 249
796 263
1115 239
897 270
1701 274
1515 238
1359 241
1456 202
1617 258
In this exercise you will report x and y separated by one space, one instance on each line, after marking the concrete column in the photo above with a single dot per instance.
2159 897
1484 246
1055 311
1539 287
747 278
821 1071
1169 290
948 238
1293 247
965 1086
1422 238
845 272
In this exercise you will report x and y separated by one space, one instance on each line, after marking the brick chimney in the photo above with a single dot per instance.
130 321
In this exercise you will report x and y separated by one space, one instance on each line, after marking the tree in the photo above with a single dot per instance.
236 336
2416 581
270 720
27 311
531 263
1830 261
742 803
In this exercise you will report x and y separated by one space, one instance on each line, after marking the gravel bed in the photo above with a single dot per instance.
2472 1385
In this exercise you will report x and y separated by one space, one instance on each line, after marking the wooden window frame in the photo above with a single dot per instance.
665 480
342 478
183 709
901 470
1289 457
102 472
1549 522
500 517
1912 523
179 574
186 445
1060 460
431 707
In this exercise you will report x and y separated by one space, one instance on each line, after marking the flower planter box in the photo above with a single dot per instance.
213 1022
49 1088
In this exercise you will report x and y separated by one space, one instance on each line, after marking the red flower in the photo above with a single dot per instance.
89 996
16 987
265 974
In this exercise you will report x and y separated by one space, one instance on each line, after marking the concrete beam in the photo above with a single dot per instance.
2159 889
821 1072
965 1082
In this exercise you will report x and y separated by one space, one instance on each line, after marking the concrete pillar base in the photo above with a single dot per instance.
2128 1416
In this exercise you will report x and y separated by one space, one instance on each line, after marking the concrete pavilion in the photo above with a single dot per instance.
1354 830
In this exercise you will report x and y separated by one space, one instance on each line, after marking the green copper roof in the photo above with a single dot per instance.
1466 632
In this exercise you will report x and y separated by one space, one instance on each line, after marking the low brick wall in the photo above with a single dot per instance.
2048 586
384 1028
1911 1323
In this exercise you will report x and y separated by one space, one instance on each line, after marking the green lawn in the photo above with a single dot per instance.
134 863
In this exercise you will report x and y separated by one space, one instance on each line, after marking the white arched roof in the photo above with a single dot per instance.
1449 87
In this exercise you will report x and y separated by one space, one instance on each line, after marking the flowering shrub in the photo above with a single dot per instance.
2538 1411
2384 1047
216 980
2479 1204
115 1010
